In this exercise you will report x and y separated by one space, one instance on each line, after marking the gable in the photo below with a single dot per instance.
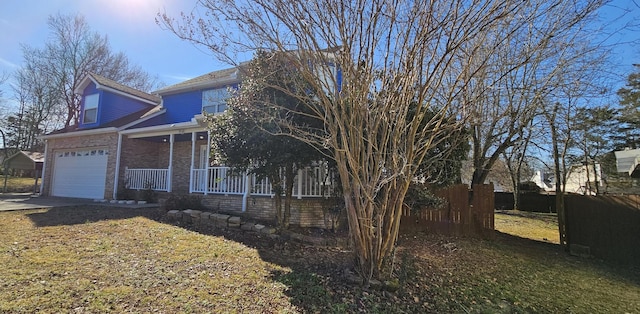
111 106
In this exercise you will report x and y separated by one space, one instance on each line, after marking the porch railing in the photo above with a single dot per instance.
309 182
142 179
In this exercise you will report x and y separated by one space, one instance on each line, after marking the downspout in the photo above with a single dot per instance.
116 176
193 152
44 164
170 174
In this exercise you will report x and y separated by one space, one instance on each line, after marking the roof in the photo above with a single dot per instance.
24 159
210 79
625 159
103 81
121 122
35 156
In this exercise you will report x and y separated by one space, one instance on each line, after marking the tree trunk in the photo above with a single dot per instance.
277 191
562 228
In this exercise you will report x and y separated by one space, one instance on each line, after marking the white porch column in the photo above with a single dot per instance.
299 183
247 190
170 169
206 172
44 166
193 153
114 195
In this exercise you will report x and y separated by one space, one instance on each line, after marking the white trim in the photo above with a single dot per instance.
44 166
247 191
196 86
115 179
206 180
193 152
79 133
170 174
121 93
165 129
153 115
84 83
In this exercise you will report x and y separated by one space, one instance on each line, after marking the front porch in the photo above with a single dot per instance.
309 182
179 161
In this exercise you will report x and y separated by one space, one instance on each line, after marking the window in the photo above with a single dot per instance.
90 113
215 100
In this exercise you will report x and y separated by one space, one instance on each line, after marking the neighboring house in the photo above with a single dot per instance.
628 161
131 139
544 180
27 161
6 153
581 180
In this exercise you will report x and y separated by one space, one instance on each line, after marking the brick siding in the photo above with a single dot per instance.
309 212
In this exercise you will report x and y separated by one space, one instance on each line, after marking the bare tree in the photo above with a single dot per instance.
72 51
385 76
510 86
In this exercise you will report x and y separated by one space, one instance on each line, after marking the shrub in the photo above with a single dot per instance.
182 201
420 195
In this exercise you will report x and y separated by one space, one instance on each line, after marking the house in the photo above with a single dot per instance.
587 180
27 161
24 163
130 139
628 161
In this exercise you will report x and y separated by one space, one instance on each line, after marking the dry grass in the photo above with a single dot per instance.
17 184
535 226
97 260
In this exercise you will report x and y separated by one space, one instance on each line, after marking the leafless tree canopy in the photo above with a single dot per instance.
72 51
406 67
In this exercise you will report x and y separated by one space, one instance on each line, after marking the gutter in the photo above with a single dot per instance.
79 133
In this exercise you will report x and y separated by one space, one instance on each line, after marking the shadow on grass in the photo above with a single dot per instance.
315 278
73 215
548 253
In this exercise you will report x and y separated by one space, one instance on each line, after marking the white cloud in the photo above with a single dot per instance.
7 63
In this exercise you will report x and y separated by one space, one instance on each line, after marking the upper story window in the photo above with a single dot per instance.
215 100
90 113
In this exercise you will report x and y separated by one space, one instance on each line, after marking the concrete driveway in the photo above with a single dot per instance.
9 202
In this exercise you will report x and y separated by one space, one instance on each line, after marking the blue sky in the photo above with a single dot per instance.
131 28
129 24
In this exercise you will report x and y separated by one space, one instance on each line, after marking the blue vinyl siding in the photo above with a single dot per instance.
111 106
116 106
89 90
182 107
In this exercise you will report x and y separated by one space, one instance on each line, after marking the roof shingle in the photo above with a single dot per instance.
123 88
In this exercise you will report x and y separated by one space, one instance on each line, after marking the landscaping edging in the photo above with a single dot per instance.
225 221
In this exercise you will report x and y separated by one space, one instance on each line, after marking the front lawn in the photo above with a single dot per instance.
18 184
100 259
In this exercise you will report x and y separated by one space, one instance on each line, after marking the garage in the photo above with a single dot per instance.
80 173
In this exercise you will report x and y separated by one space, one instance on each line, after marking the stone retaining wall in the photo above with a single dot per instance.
224 221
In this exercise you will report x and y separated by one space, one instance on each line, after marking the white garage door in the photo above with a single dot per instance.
80 173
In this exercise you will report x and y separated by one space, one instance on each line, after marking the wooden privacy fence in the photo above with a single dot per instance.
465 212
606 227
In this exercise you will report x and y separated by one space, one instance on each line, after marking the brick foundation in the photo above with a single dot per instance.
309 212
